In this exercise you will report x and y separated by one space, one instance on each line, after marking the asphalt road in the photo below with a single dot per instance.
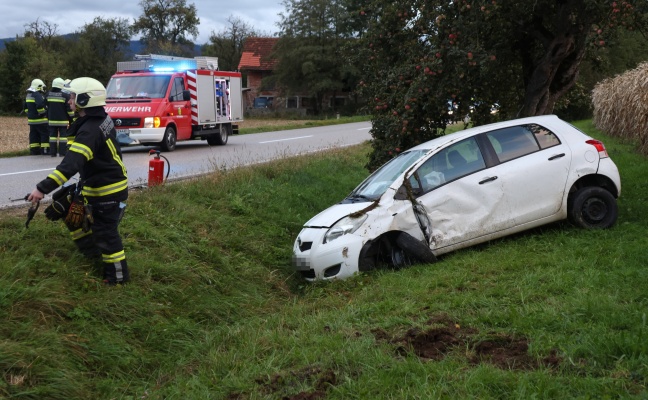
19 175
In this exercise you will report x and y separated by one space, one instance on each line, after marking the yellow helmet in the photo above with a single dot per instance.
89 92
37 85
58 83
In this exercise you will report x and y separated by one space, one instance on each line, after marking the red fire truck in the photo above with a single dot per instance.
159 100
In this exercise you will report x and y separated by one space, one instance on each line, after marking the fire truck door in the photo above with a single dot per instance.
179 108
221 94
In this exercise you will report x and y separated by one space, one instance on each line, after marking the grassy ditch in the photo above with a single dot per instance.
214 310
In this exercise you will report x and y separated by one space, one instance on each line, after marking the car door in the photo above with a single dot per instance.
453 188
533 170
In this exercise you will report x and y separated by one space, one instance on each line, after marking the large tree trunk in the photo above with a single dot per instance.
554 74
549 77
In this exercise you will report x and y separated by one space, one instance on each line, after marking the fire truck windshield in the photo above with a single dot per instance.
138 87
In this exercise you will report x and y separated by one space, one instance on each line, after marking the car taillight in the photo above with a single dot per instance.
600 147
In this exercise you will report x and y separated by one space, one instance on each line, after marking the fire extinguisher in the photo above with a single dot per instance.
156 168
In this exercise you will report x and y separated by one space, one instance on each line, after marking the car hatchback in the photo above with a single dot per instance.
459 190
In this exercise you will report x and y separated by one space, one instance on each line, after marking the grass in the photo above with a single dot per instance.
215 311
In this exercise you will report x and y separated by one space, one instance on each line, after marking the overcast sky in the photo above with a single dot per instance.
71 15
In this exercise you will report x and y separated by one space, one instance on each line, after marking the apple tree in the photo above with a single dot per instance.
429 63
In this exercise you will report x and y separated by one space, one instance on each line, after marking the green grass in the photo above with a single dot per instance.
308 124
215 312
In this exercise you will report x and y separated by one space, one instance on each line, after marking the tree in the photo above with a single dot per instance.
98 47
424 58
13 78
311 51
166 26
227 44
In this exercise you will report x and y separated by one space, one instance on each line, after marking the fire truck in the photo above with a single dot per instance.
159 100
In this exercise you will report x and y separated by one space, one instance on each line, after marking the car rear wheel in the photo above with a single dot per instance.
169 140
593 207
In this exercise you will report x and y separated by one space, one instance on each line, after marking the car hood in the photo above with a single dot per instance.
331 215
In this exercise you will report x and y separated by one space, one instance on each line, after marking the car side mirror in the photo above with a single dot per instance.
186 95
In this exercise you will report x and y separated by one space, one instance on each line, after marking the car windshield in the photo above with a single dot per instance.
138 87
377 183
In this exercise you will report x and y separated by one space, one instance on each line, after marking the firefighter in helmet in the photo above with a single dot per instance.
94 208
59 115
36 110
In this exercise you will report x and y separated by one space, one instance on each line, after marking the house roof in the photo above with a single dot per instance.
257 54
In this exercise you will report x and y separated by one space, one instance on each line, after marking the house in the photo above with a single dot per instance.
257 63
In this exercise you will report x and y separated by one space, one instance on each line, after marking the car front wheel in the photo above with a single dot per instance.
593 207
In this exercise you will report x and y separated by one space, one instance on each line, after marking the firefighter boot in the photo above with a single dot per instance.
116 273
45 149
62 148
53 148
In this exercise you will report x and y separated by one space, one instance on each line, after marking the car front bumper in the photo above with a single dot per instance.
316 260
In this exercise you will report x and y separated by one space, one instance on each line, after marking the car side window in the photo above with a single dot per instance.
455 161
513 142
177 89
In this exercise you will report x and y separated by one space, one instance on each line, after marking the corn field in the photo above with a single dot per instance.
14 134
621 106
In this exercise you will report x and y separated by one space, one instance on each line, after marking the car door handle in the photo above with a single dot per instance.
492 178
556 156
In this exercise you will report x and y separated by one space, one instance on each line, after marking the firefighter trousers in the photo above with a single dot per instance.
37 136
103 240
57 140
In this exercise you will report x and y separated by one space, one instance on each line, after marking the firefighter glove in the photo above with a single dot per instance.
75 217
62 200
57 210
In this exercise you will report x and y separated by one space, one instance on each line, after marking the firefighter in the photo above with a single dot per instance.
36 110
59 115
97 205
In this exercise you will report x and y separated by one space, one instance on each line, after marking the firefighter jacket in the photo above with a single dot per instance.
96 156
35 107
59 112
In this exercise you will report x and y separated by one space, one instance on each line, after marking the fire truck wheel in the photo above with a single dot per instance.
221 138
169 141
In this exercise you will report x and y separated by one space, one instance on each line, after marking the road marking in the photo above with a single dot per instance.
27 172
363 129
282 140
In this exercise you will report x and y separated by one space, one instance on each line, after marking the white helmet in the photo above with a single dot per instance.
89 92
58 83
37 85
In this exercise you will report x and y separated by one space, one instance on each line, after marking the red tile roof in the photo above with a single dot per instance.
257 54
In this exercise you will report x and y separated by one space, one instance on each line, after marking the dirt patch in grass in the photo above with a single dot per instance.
321 380
501 350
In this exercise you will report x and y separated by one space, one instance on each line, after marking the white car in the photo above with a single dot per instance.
459 190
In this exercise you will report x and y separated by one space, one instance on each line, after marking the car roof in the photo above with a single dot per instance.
456 136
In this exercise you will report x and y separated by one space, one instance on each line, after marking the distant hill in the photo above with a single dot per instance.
135 45
2 42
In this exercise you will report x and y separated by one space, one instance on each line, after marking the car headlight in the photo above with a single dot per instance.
152 122
344 226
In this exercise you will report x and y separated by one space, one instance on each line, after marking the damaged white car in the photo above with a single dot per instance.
459 190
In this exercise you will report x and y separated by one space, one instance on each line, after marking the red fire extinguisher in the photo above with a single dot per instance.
156 168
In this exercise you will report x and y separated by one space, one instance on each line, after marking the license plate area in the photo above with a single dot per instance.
123 132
